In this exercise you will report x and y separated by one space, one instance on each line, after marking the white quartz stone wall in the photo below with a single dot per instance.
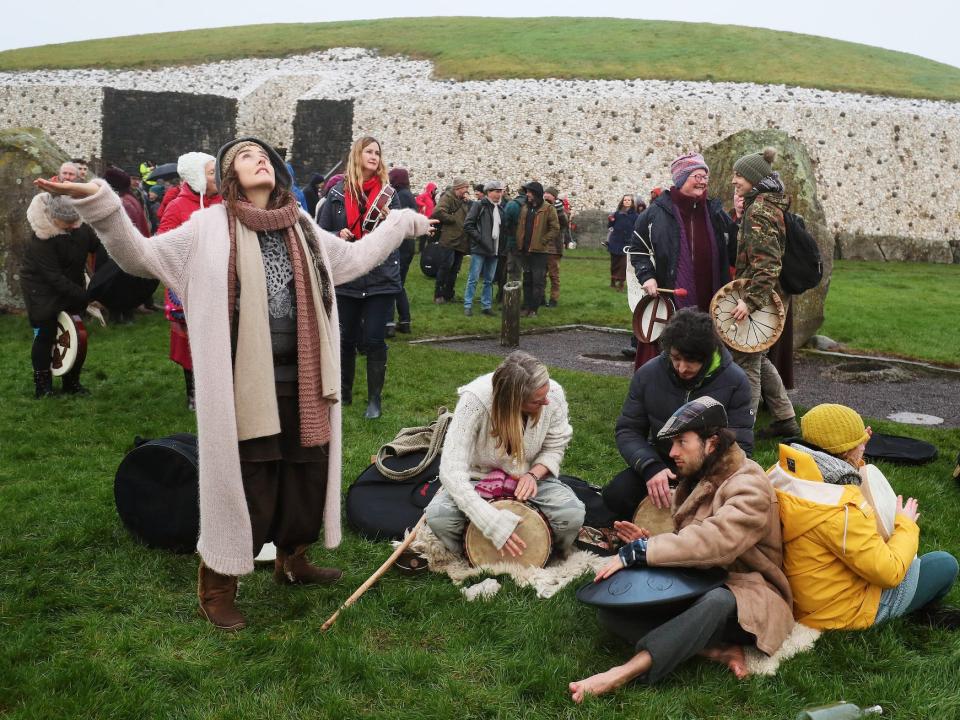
69 115
885 166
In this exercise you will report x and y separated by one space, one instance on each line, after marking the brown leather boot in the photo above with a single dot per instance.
217 593
295 569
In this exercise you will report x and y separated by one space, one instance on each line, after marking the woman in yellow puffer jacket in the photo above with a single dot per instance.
851 565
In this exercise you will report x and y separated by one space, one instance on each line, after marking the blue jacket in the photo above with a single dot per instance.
383 279
656 391
621 223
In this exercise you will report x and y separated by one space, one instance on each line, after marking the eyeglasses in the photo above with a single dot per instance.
700 178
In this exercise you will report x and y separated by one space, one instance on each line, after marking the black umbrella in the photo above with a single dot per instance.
163 172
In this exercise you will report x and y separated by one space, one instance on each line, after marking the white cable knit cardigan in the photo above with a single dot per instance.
470 453
192 261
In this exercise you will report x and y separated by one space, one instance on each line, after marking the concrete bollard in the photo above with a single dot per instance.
510 315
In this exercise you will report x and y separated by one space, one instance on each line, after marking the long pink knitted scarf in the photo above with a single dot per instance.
314 410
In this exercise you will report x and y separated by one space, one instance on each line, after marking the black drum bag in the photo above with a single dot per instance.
379 508
382 509
899 449
157 492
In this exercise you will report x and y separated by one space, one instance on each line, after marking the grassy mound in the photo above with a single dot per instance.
490 48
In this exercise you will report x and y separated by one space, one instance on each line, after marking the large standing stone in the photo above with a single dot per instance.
796 170
25 154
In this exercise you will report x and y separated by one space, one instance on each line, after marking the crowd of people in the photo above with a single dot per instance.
286 295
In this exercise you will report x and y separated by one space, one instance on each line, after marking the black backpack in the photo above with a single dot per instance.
802 266
430 258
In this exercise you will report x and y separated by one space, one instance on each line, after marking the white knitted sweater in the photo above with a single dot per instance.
470 453
192 261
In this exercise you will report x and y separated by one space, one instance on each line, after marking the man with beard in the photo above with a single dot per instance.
760 248
726 515
693 363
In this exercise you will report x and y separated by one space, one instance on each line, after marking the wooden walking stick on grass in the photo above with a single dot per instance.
377 575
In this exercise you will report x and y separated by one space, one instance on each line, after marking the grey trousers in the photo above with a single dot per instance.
765 381
554 499
672 635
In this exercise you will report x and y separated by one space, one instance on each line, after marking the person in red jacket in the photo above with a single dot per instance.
198 190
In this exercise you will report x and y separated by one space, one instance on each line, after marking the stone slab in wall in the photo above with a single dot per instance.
322 133
268 110
854 246
161 126
25 154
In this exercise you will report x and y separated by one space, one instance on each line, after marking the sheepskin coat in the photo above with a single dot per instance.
731 519
192 261
51 276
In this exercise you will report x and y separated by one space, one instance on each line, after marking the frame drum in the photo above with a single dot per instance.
70 346
375 214
650 316
653 519
758 331
533 529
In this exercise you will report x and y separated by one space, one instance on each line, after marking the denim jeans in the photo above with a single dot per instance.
488 266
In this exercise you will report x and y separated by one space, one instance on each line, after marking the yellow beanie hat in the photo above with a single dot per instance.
834 428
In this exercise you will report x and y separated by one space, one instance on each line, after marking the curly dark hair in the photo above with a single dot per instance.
691 333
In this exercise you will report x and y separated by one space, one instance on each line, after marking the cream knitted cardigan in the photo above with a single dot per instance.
192 261
470 453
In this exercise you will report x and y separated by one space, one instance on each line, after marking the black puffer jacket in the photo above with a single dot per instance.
51 276
659 222
383 279
479 228
656 392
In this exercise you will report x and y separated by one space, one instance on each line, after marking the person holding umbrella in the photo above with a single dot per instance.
256 278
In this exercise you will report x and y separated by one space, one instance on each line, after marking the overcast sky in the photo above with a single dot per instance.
922 27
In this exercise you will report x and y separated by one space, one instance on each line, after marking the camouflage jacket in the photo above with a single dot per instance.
760 247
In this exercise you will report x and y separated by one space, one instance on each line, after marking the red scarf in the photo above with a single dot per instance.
355 211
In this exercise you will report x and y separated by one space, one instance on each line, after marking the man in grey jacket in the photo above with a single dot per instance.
483 228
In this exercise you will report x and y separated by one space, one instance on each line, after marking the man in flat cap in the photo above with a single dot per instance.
725 516
482 226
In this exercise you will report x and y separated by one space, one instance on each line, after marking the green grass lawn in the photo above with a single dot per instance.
906 309
490 48
94 625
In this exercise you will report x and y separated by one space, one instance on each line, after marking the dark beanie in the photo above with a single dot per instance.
756 166
117 179
399 177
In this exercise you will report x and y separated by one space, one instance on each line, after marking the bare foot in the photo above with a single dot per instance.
595 685
730 655
611 679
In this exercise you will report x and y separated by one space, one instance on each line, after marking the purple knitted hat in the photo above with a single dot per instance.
681 168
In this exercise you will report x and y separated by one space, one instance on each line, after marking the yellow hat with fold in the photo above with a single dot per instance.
833 428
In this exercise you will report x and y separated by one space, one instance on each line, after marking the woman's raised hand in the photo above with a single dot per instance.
909 508
77 191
